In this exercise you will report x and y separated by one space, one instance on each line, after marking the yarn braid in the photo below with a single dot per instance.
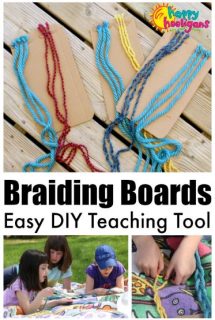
142 76
155 288
126 42
113 79
38 110
200 286
168 166
178 85
65 151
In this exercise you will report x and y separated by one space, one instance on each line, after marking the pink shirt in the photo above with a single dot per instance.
10 298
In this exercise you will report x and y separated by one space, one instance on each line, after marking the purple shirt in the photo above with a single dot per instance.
100 281
10 298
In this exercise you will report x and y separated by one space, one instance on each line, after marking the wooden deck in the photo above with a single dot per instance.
21 136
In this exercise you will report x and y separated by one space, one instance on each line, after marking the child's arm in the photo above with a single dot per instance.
148 257
90 285
39 303
120 282
31 307
67 284
183 262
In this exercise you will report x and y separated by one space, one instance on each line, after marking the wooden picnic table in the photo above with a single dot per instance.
21 135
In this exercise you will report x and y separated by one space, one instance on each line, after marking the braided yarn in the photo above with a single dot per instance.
168 166
115 82
38 110
200 287
65 151
155 288
141 79
126 41
176 88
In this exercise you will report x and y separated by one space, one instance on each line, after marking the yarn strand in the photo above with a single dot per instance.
38 110
65 151
142 76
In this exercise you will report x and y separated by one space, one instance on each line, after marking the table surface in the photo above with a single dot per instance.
21 134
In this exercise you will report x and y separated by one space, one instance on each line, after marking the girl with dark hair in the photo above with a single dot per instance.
60 260
29 291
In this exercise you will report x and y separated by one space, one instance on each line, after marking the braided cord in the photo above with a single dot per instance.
65 151
126 42
155 288
193 65
200 286
168 166
38 110
140 80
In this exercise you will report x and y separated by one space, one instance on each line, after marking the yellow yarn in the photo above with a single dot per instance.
126 42
155 288
168 166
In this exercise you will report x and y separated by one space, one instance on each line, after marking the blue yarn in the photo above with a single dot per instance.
200 286
37 109
142 75
115 82
192 66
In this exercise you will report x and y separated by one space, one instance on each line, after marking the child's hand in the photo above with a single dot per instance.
181 266
46 292
148 257
65 301
101 291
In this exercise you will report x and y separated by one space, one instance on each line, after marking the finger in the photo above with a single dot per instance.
153 272
184 279
169 272
147 271
178 279
160 265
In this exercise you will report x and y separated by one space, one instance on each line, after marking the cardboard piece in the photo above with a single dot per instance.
78 103
119 59
163 72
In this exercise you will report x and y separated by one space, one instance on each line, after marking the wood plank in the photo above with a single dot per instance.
18 150
203 36
85 59
81 17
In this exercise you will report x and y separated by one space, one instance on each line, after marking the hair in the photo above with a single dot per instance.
59 243
29 269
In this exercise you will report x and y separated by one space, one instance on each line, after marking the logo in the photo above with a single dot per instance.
166 17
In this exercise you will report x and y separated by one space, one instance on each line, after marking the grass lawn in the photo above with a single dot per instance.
82 247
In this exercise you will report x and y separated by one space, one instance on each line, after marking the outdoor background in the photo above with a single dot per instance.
82 247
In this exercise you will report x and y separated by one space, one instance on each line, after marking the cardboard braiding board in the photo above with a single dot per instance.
161 75
119 59
78 103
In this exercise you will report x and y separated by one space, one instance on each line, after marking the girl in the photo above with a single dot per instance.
29 290
60 260
105 273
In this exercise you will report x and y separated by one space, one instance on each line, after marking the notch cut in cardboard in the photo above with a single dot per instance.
78 103
161 75
119 59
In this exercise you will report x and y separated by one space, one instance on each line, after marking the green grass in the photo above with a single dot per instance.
82 247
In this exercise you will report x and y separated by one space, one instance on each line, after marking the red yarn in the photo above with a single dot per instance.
63 147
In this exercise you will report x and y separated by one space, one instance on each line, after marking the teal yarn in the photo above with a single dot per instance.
180 83
103 64
114 80
200 287
37 109
129 125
